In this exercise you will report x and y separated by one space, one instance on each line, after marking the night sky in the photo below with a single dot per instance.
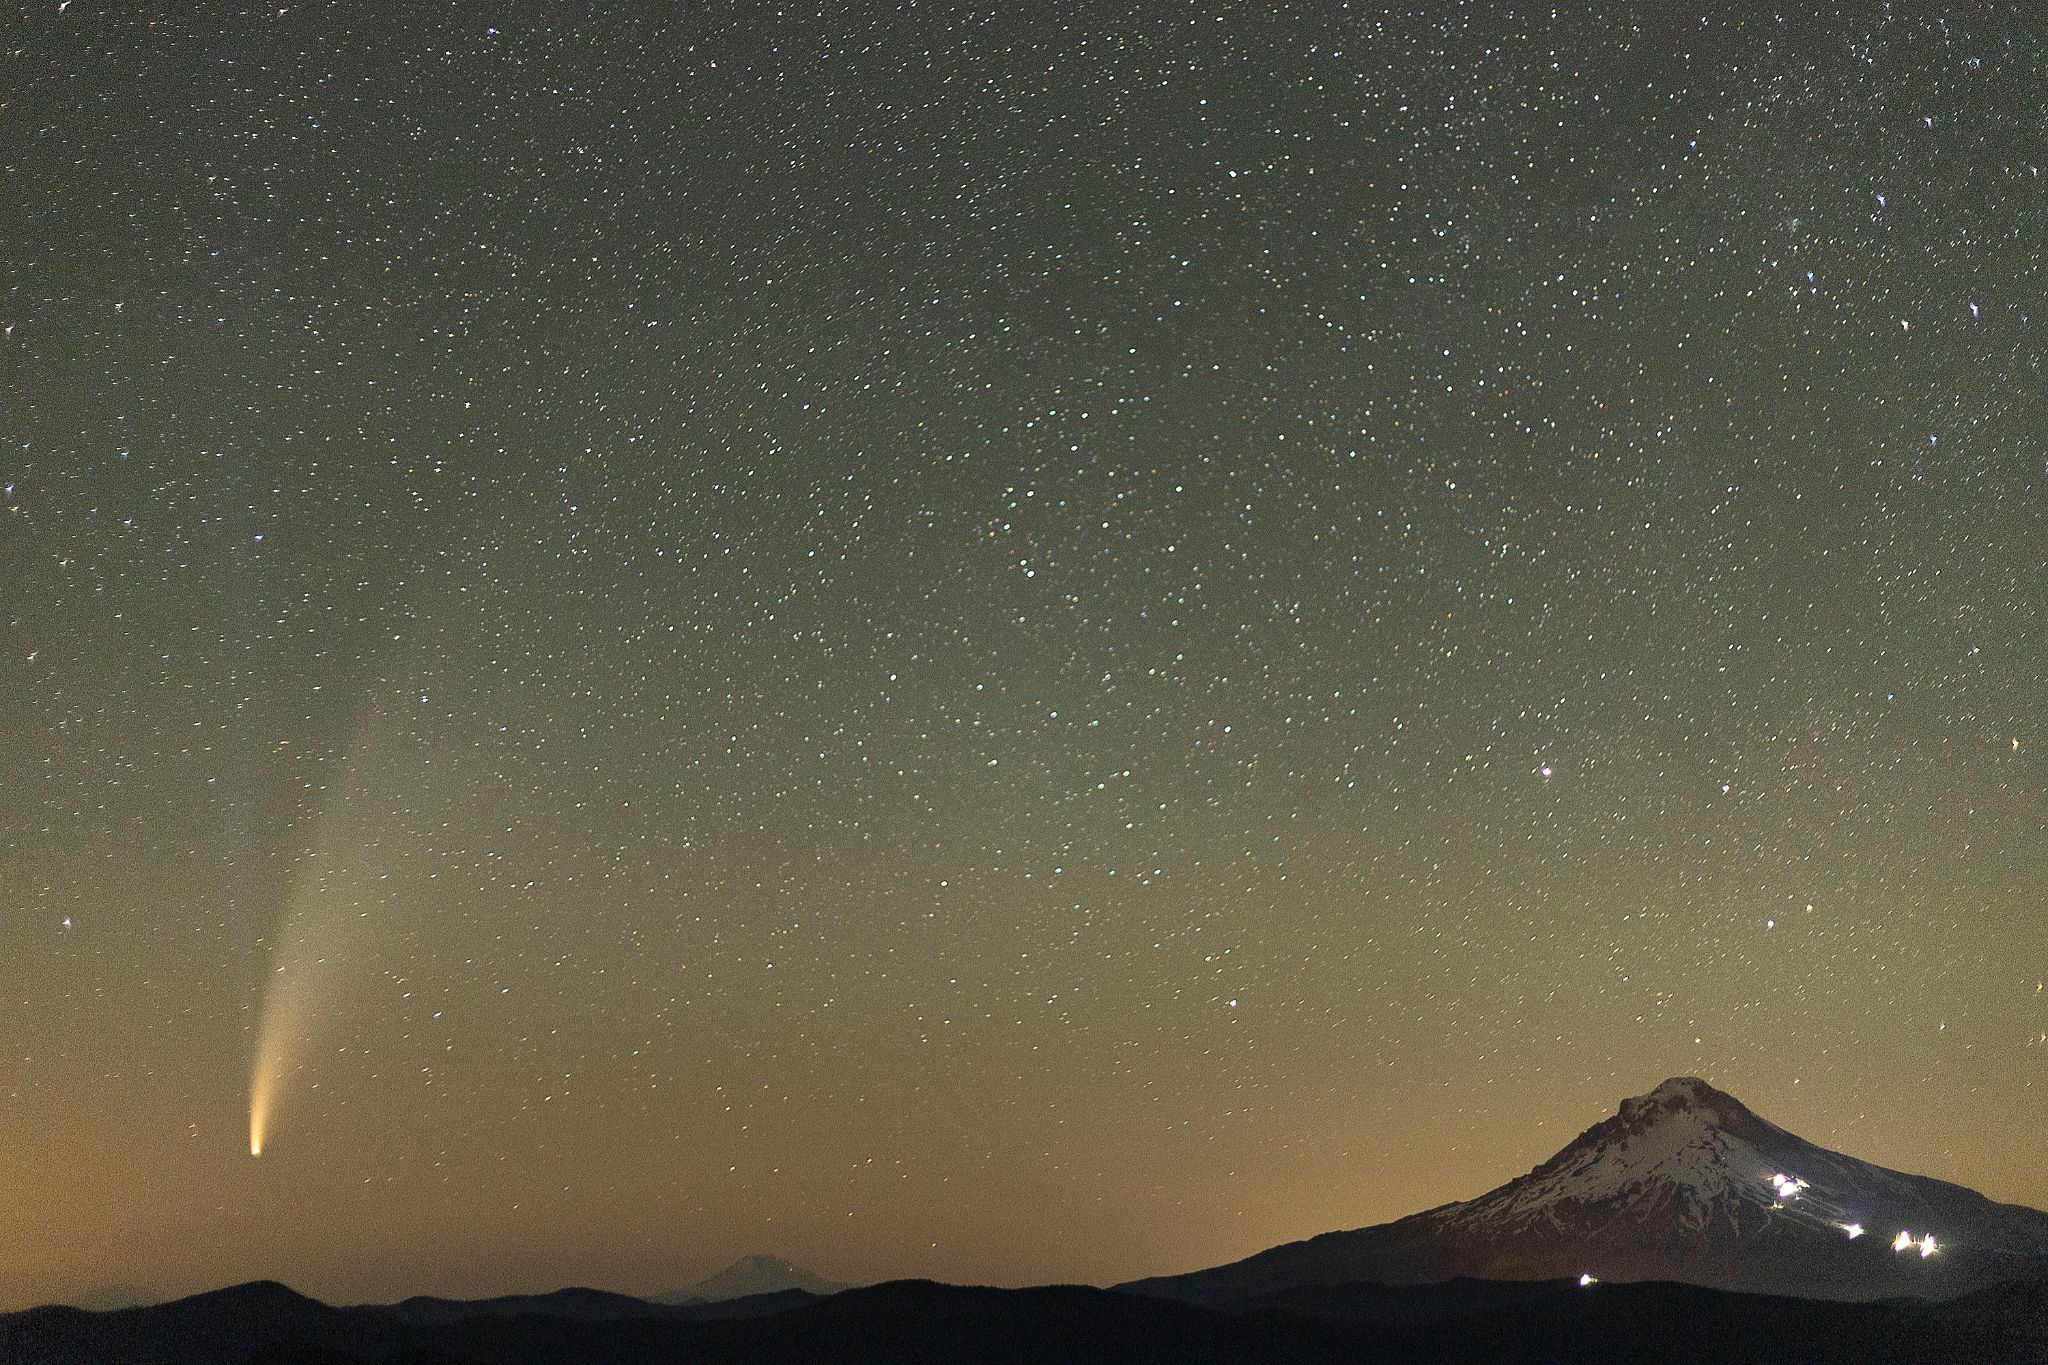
1009 644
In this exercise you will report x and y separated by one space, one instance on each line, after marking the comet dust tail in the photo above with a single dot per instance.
259 1115
283 1023
318 950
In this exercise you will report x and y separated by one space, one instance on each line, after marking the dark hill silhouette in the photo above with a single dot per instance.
582 1305
920 1323
589 1305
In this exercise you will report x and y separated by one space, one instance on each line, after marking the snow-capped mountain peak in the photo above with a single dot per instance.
1682 1183
1685 1149
752 1275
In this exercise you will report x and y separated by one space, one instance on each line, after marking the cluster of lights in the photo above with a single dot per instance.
1788 1188
1905 1241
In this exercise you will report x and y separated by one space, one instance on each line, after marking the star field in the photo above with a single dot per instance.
1010 646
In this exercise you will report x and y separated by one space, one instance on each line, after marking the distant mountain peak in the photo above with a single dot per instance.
758 1273
762 1260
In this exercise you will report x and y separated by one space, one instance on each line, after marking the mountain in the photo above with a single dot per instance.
233 1324
918 1323
580 1305
589 1305
750 1276
1682 1184
107 1298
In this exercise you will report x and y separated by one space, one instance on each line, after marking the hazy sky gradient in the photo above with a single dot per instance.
1007 644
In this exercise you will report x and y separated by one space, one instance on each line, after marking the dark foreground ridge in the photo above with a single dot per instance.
914 1322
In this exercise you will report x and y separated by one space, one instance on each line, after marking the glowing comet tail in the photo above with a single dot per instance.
330 899
262 1095
282 1009
301 975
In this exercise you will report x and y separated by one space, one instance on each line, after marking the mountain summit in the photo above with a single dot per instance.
1684 1183
749 1276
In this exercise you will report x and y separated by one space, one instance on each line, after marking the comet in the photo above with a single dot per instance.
326 908
287 1002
